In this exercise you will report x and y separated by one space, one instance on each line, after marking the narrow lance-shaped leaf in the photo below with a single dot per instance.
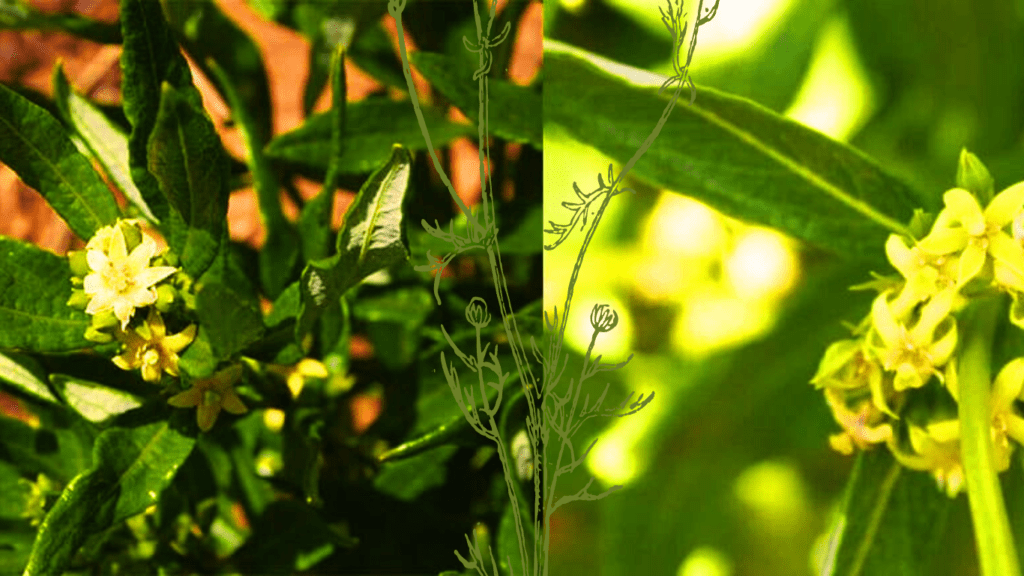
315 220
131 467
26 375
38 148
34 289
150 57
94 401
188 162
371 238
21 16
891 522
736 156
106 141
280 254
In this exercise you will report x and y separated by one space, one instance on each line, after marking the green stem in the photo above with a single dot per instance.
992 533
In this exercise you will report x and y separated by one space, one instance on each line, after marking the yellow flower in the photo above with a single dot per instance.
862 426
963 227
848 365
925 274
150 348
1006 423
296 375
211 395
914 353
936 449
120 281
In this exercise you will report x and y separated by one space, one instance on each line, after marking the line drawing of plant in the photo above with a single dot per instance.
548 412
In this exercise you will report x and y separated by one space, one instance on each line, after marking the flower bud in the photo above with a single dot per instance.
166 295
603 318
105 319
476 313
94 335
78 262
971 175
132 234
78 299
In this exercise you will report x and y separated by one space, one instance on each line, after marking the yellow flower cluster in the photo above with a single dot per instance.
895 381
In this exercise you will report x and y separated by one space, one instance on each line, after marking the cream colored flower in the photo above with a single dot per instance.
150 348
211 395
120 281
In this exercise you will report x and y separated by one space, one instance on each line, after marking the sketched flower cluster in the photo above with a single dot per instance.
895 381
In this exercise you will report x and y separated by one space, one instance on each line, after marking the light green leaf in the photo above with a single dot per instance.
515 110
371 239
187 160
38 148
372 127
891 523
733 155
106 142
131 467
95 402
26 375
34 288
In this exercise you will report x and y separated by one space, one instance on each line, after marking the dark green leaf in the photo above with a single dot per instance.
394 321
199 360
37 147
132 466
25 375
407 479
515 110
231 323
891 522
107 143
280 254
95 402
34 289
187 160
289 536
18 15
371 238
149 58
15 547
372 126
735 156
286 306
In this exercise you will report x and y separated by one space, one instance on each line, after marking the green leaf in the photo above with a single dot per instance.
15 493
735 156
25 375
516 110
289 536
371 238
372 126
149 58
131 467
18 15
280 254
393 323
105 140
34 289
891 522
37 147
15 547
372 51
94 401
408 478
187 160
231 323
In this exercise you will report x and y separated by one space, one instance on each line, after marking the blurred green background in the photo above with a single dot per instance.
728 472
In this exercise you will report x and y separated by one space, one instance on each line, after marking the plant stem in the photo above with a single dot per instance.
992 533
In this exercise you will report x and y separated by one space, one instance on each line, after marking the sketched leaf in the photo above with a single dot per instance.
372 126
519 119
35 285
187 160
892 520
105 140
131 467
507 549
38 148
734 155
371 238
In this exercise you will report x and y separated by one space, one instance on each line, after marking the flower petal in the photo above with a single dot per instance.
123 311
232 403
942 349
900 256
97 260
191 397
118 249
1009 383
932 313
1015 427
971 262
964 207
149 276
907 377
179 341
944 241
944 431
100 302
206 416
885 323
1007 252
1005 206
139 259
151 372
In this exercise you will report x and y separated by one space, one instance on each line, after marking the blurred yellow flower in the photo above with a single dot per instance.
150 348
936 449
914 353
211 395
119 280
